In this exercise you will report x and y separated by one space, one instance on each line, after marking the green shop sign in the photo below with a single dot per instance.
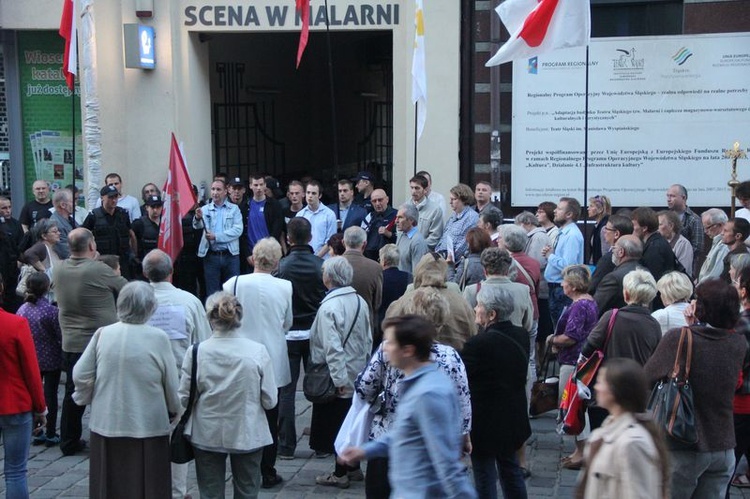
47 113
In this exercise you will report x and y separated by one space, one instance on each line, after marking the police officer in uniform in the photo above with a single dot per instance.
146 230
110 225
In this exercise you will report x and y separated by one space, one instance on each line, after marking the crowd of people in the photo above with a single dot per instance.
432 315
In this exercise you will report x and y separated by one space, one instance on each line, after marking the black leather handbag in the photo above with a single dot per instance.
180 448
671 401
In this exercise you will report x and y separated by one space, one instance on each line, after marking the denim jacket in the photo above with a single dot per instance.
231 227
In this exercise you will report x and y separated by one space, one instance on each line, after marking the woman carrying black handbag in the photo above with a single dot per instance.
704 470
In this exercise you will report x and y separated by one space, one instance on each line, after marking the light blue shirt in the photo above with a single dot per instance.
568 251
425 440
323 223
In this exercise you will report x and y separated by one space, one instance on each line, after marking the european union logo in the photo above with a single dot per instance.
533 66
682 56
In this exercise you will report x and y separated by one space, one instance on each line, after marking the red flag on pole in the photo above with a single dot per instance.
303 9
68 32
178 200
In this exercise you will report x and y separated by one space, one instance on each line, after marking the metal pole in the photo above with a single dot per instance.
586 163
416 139
333 97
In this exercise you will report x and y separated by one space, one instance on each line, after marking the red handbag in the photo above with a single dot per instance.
572 416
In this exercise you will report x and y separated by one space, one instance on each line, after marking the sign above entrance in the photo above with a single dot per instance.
282 16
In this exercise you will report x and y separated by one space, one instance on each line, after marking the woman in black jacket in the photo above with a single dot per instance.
496 364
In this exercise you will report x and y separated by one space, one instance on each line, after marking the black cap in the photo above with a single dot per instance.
72 188
154 201
236 181
109 190
364 176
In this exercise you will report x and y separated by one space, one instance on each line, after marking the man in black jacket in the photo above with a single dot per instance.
379 224
626 253
304 270
658 256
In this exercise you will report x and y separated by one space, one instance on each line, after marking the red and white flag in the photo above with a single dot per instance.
303 10
178 199
538 26
68 32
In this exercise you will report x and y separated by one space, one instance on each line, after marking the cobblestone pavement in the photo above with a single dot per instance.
52 475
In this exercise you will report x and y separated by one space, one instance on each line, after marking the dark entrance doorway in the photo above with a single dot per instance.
268 116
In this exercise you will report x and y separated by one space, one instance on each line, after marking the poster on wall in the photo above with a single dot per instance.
661 111
49 149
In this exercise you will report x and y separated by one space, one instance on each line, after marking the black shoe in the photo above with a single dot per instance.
271 481
75 448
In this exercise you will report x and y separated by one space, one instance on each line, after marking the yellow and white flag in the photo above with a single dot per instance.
418 73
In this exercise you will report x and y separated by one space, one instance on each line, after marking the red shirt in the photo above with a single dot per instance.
20 383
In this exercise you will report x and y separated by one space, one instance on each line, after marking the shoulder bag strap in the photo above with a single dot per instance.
676 367
193 384
236 278
610 327
354 322
526 275
689 353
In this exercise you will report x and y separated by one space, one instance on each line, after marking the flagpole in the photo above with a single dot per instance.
416 137
73 133
586 161
333 97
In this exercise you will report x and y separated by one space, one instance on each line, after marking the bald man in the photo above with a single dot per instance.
39 208
379 224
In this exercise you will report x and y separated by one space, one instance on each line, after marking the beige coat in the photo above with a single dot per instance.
235 385
623 462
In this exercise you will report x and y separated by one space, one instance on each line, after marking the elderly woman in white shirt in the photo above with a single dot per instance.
128 375
675 289
235 385
270 300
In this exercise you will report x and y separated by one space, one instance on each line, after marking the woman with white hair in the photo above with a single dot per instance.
675 289
235 385
496 364
270 299
341 338
635 334
128 375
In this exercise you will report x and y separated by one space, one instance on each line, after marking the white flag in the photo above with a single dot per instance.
542 26
418 73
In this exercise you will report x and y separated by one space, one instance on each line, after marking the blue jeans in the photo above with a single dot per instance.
298 351
210 470
16 432
486 473
218 269
557 302
701 474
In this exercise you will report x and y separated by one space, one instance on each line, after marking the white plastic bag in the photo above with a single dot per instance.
355 429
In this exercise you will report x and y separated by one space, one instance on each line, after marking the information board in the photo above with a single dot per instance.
661 111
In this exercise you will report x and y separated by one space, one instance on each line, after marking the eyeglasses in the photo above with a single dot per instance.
709 227
610 229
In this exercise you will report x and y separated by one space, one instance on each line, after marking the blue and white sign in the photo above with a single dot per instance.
146 38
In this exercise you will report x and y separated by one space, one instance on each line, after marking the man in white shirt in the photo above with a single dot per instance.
321 217
124 201
182 316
